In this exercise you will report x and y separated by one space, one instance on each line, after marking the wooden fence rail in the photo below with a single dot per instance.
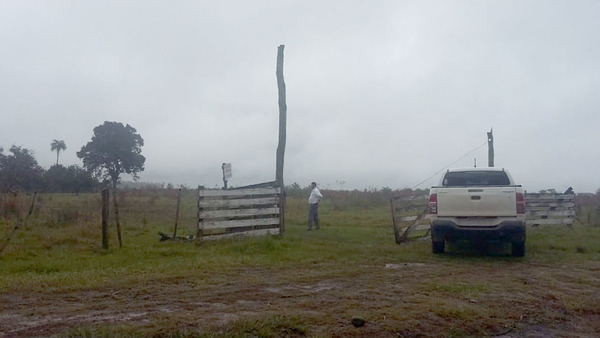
239 212
550 209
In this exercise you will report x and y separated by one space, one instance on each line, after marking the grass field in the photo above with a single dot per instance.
55 278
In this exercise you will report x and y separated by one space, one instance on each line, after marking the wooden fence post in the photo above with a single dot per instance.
177 214
105 216
117 216
200 220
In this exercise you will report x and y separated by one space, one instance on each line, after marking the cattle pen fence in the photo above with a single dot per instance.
248 211
410 218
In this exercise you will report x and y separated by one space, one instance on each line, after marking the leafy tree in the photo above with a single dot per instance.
113 150
57 145
19 170
72 179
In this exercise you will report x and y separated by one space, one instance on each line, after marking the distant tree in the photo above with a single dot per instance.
73 179
57 145
113 150
19 170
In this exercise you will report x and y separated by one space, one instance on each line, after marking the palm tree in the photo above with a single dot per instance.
57 145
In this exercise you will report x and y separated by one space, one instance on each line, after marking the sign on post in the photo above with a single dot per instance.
226 173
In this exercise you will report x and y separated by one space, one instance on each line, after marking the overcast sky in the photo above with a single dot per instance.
379 93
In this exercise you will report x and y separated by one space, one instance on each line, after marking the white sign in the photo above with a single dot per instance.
227 170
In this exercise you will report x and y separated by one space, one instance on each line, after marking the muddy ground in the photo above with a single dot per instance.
439 298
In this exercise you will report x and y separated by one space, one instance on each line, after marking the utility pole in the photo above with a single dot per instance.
490 138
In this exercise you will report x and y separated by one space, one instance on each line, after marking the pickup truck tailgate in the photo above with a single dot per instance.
474 201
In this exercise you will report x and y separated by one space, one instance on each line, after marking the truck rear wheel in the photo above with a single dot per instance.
438 246
517 249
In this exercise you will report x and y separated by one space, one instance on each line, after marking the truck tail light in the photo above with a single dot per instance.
433 204
520 203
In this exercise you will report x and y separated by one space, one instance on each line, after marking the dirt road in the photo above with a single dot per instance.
509 299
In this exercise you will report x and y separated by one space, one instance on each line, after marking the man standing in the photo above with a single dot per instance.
313 211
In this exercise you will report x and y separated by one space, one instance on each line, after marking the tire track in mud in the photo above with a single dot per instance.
323 294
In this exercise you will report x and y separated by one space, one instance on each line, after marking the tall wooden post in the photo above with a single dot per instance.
282 133
490 137
282 117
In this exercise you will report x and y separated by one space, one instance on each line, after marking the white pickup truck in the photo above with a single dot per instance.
477 204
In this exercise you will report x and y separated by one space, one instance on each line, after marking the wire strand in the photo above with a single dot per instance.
449 165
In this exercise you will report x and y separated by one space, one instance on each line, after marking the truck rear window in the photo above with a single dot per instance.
477 178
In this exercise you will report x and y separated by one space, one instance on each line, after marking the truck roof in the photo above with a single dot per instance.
476 169
467 176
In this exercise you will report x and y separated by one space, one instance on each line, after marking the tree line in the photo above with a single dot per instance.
113 150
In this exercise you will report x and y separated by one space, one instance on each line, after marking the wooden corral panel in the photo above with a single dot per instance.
239 212
551 209
409 215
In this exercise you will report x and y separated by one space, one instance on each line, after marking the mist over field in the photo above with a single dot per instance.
381 94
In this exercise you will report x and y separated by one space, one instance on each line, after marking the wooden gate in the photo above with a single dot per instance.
550 209
240 212
409 215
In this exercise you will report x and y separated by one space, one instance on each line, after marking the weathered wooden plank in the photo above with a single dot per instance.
547 212
550 195
551 221
260 232
211 224
242 202
239 192
542 198
208 214
550 205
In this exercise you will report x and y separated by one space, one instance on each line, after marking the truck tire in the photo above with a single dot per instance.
517 249
438 246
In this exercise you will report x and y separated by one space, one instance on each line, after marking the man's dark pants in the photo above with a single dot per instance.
313 216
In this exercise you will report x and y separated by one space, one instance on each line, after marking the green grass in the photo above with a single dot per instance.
61 245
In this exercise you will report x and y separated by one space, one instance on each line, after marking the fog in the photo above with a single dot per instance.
382 94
